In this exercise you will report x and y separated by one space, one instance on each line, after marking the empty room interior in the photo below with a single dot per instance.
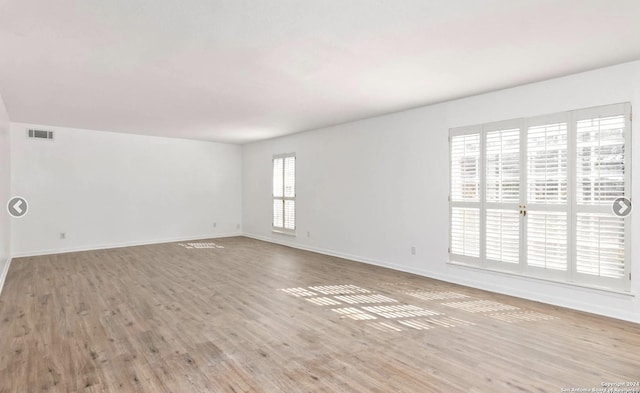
319 196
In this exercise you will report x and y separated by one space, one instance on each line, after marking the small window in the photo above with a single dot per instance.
284 193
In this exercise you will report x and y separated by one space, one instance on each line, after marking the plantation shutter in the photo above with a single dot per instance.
465 231
290 193
546 200
547 164
502 195
547 240
600 160
600 245
465 168
465 195
503 166
278 193
503 235
602 176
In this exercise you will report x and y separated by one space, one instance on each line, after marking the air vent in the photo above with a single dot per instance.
39 134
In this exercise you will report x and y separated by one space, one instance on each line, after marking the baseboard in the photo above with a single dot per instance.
120 245
3 274
324 251
504 290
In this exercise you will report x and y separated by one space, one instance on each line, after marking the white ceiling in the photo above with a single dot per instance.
239 70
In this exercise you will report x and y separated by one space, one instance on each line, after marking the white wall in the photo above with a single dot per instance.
371 189
105 189
5 191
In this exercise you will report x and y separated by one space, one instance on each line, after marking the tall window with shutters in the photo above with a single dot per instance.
465 195
502 195
534 196
284 193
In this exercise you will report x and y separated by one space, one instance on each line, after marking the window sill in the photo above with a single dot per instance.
292 234
537 278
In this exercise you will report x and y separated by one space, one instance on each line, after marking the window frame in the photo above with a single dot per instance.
491 205
453 204
570 275
283 229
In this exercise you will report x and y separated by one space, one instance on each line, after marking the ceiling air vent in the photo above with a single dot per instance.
39 134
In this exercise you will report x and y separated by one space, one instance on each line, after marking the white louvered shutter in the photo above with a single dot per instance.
601 177
547 164
465 168
465 195
503 235
547 240
290 177
278 193
278 180
465 231
600 160
503 166
278 213
546 202
290 193
600 246
502 195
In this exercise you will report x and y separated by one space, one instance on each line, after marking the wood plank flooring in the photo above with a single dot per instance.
249 316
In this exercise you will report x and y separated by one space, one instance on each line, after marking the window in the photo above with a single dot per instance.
534 196
284 193
465 195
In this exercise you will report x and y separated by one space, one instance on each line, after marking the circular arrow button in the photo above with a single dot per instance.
17 206
621 207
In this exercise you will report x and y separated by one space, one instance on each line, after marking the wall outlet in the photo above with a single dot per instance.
63 235
237 226
413 250
215 224
308 234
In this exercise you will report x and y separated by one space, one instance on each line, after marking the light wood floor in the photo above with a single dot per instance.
258 317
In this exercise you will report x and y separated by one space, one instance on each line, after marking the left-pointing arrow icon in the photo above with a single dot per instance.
17 207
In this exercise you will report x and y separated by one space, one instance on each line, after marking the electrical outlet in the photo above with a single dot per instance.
215 224
413 250
63 235
237 226
308 234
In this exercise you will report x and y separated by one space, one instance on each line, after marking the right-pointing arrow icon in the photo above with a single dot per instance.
621 207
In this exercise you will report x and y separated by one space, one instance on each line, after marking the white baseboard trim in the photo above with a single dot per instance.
332 253
123 244
571 303
3 274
